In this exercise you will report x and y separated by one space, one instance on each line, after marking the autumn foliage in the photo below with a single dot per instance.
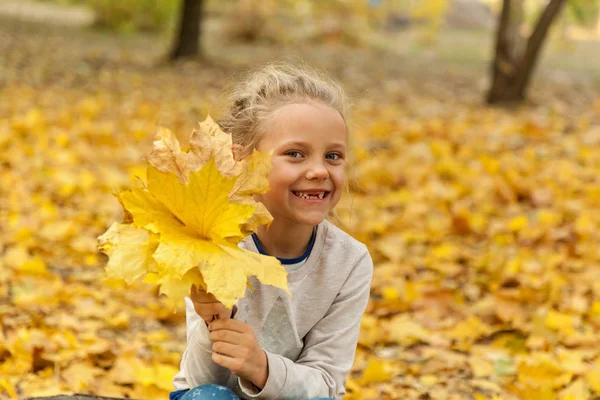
483 225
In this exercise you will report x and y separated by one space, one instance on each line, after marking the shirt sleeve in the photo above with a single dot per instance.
197 365
329 347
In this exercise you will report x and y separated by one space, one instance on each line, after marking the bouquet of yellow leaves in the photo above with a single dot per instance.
183 227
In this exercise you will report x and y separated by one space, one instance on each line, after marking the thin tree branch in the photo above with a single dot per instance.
534 44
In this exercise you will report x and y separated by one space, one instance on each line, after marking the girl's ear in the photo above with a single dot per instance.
237 150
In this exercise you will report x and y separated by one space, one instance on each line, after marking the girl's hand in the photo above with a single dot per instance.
207 306
235 347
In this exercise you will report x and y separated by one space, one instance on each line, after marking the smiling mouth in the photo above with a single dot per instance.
311 195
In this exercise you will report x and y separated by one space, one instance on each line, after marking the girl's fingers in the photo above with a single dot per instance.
200 296
207 310
225 313
226 336
207 306
211 312
206 317
224 361
226 349
230 324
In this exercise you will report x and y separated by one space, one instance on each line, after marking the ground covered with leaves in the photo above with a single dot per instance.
483 223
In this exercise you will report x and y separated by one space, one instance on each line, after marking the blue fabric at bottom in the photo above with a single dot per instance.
210 392
202 392
177 394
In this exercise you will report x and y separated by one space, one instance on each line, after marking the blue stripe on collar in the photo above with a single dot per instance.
288 261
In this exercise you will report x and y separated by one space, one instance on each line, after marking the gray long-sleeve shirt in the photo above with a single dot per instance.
309 338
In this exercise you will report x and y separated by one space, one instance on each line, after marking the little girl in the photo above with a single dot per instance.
272 345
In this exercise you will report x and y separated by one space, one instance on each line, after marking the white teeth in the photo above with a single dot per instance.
310 196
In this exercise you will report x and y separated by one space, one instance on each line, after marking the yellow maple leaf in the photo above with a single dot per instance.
429 380
572 360
261 216
210 142
576 390
253 179
592 378
402 329
124 369
228 281
127 246
157 374
183 227
561 322
469 329
206 143
167 156
8 388
518 223
481 367
201 207
253 176
542 370
80 376
376 371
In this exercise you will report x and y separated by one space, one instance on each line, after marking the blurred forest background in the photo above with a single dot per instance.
475 183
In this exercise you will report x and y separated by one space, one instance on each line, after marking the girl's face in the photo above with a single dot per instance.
308 141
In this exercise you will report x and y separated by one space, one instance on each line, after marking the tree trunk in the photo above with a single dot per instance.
187 41
503 67
512 67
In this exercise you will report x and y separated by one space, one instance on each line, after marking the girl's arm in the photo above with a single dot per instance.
196 363
329 347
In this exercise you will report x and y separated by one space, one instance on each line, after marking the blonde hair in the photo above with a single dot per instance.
269 88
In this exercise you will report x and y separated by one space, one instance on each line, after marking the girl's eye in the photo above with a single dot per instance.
333 156
293 154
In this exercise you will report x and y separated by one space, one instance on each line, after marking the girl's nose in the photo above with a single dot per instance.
317 171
